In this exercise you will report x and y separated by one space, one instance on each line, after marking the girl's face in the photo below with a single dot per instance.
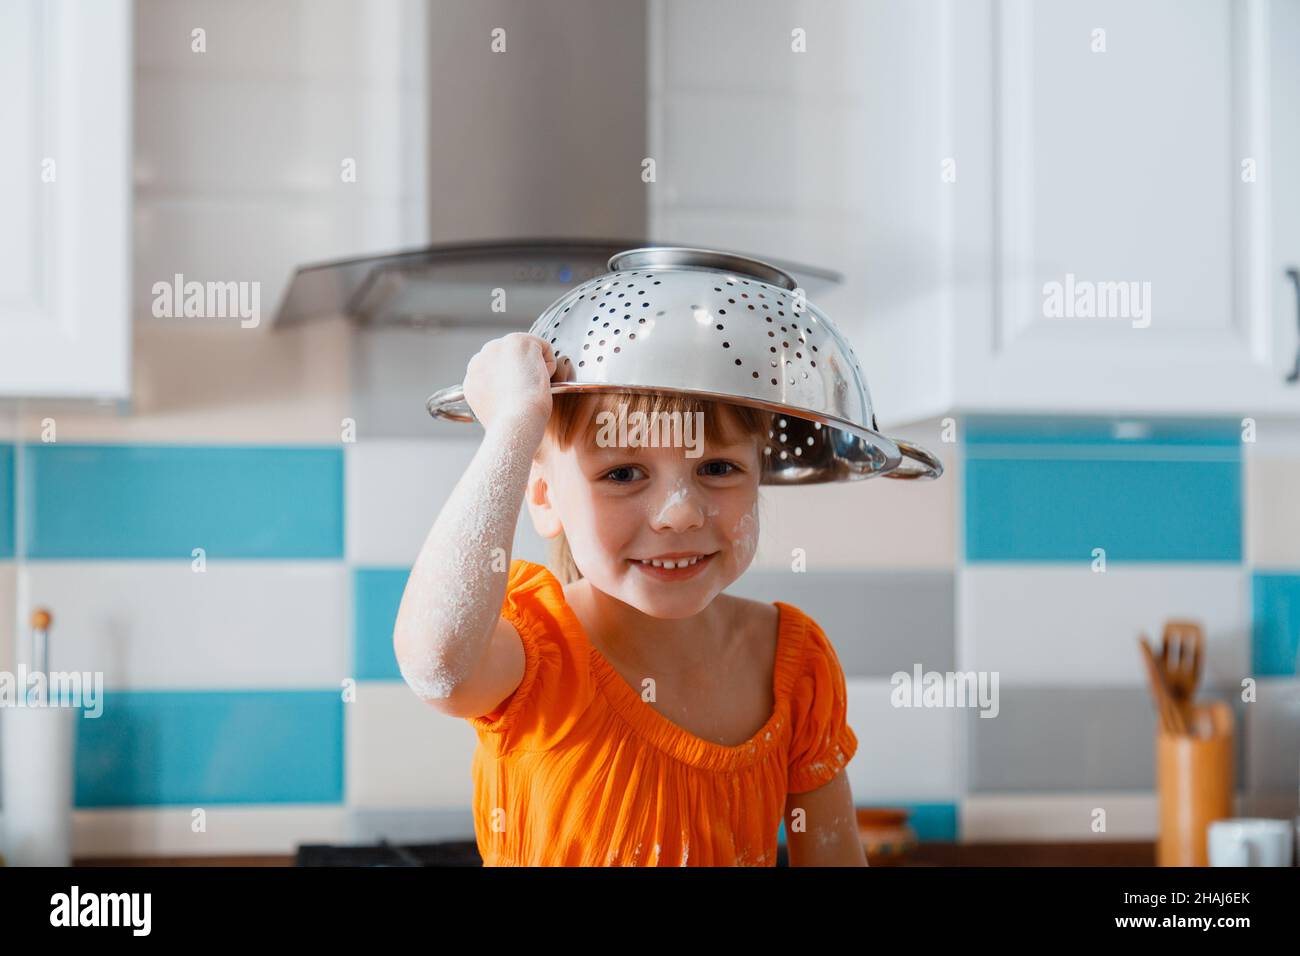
620 507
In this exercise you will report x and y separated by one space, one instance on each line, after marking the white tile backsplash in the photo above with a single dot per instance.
748 45
395 490
1050 625
905 754
202 135
215 382
250 238
752 152
403 753
309 40
8 616
158 625
1272 537
879 523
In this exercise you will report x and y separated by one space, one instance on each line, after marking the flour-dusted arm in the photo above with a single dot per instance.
452 645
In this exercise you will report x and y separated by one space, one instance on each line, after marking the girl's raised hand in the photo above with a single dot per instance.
509 378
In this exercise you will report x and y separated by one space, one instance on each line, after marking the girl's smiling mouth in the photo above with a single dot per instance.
677 566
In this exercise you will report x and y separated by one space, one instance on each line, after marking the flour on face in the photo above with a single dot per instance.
679 493
744 537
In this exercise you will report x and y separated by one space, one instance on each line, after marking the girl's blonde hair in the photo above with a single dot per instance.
723 422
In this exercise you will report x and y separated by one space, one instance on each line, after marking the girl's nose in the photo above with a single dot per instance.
681 509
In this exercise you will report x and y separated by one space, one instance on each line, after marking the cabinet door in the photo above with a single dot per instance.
1133 185
65 192
1284 135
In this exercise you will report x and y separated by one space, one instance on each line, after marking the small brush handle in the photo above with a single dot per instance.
41 620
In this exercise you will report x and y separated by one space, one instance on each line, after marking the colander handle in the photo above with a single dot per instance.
933 466
450 403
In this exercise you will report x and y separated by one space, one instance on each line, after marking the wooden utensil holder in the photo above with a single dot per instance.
1195 779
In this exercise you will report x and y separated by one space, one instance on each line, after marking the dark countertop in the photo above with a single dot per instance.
1101 853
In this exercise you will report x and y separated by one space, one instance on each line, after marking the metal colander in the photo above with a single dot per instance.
722 327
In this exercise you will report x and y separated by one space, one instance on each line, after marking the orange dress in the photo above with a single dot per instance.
575 769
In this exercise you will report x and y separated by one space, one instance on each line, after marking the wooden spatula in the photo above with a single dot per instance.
1182 649
1171 718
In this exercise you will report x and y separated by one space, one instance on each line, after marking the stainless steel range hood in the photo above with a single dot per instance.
526 170
452 285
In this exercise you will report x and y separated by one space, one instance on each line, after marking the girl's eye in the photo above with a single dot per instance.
719 474
620 470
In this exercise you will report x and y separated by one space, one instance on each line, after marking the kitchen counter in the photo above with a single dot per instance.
1108 853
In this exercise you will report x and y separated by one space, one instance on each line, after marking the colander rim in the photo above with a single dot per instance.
701 259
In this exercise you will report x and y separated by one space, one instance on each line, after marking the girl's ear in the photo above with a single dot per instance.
546 521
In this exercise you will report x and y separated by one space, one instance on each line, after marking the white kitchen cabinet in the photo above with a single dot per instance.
1141 153
954 158
65 192
1284 89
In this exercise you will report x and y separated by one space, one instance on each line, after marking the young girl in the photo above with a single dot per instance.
628 712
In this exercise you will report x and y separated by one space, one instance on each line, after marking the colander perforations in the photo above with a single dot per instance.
735 312
611 306
785 443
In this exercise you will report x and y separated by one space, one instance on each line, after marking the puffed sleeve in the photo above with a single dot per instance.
557 682
822 742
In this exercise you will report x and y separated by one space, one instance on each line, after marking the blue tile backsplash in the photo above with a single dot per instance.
6 501
199 748
1046 491
150 501
376 595
1275 599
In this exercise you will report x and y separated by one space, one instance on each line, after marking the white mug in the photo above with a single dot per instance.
1250 842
